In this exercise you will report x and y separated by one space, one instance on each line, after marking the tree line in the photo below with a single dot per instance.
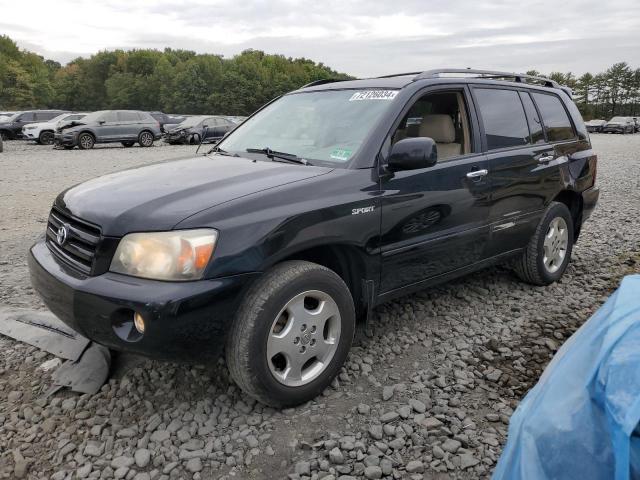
181 81
177 81
615 91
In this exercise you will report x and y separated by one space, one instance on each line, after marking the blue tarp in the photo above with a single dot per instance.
581 420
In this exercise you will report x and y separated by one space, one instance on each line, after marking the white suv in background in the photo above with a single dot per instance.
43 132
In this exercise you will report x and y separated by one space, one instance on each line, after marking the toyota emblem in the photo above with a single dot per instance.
61 235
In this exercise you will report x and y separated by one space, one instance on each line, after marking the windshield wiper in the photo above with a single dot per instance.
219 151
281 156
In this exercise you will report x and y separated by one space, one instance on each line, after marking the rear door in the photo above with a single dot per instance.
129 125
434 220
523 164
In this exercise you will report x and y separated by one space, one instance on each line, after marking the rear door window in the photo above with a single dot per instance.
503 118
128 117
535 124
109 117
554 117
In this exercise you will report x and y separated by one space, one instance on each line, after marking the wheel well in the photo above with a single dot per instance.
89 132
345 261
573 201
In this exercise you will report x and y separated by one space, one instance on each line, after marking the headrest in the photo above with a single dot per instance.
439 127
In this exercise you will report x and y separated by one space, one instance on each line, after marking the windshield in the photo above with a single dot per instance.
618 120
191 122
58 118
326 126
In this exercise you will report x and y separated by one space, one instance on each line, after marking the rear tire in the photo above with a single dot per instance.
86 141
549 251
46 138
145 139
313 342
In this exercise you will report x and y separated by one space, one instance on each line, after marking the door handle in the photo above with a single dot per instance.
477 173
545 158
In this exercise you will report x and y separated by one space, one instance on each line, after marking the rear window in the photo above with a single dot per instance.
505 124
554 117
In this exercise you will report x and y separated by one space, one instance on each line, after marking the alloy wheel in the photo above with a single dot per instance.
86 141
146 139
303 338
556 242
46 138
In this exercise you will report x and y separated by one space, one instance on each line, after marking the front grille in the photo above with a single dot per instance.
79 249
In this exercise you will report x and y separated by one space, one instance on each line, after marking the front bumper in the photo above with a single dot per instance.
613 129
30 134
589 200
184 320
65 139
176 138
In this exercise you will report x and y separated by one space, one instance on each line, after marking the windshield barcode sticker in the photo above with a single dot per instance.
374 95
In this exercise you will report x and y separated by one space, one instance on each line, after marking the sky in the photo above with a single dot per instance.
360 37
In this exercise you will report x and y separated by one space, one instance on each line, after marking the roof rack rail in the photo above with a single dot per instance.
517 77
322 82
399 75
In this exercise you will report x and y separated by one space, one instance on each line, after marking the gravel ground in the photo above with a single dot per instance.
429 395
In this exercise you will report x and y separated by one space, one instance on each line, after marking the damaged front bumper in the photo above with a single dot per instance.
183 320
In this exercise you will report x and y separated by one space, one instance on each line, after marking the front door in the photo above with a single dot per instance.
434 220
107 128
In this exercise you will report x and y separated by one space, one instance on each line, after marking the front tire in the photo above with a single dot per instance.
549 251
46 138
86 141
291 334
145 139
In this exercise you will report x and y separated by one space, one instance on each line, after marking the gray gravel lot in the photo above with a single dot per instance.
428 396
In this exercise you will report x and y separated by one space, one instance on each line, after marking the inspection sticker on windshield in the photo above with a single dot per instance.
374 95
342 154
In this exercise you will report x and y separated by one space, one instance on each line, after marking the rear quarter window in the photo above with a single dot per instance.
554 117
503 118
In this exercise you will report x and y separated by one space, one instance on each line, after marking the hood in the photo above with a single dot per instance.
157 197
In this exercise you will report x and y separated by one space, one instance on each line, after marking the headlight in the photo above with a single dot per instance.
180 255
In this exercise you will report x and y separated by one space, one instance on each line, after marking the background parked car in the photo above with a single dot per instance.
11 128
167 121
44 132
236 119
109 126
637 122
619 125
193 129
595 126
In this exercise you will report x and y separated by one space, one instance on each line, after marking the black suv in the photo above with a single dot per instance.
109 126
326 202
11 128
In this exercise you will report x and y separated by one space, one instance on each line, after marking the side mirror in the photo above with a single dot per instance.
101 122
412 154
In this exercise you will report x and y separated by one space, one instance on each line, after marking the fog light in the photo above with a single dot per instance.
138 322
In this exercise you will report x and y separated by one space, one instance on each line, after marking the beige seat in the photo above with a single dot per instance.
440 128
